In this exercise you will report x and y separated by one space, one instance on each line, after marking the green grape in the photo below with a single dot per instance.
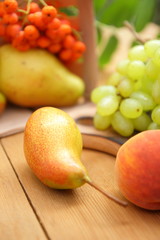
156 57
131 108
153 126
152 70
136 69
122 125
155 115
123 66
101 92
146 85
107 105
151 46
145 99
137 53
137 84
142 122
125 87
101 122
114 79
156 91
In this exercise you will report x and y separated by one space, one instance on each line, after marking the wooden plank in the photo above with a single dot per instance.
90 66
17 219
83 213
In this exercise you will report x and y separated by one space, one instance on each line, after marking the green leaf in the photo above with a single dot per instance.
143 13
134 43
99 34
70 10
108 51
117 12
100 5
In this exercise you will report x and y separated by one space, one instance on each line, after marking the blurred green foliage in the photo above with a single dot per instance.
108 50
115 12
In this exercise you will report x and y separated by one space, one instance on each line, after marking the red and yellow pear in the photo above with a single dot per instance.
53 146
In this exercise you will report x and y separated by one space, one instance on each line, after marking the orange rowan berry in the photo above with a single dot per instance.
23 47
20 42
55 35
65 21
12 30
37 20
48 13
75 56
54 24
33 43
19 38
10 18
65 55
43 42
68 41
2 11
34 7
65 28
77 50
50 33
2 29
54 48
31 32
79 47
10 6
31 17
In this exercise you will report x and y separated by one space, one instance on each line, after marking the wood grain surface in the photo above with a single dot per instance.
30 210
17 219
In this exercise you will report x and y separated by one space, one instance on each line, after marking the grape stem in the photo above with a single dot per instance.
135 34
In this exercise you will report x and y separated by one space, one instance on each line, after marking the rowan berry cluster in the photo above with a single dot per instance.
39 27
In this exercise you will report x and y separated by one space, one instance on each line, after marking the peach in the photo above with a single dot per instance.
137 169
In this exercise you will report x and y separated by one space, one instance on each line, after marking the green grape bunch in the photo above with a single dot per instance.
130 100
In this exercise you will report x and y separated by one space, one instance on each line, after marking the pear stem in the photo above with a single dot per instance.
115 199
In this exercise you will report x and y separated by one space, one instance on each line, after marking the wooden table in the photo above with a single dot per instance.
29 210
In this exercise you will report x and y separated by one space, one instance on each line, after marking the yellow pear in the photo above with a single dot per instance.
53 146
37 78
2 102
